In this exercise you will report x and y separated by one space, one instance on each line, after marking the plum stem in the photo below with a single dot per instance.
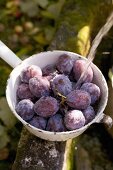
63 98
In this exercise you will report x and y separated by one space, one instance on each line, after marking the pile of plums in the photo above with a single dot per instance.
48 99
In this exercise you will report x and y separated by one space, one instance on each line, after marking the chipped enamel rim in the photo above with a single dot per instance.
42 59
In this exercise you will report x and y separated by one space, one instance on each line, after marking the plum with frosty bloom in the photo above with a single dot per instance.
61 84
48 70
23 92
64 64
46 106
78 68
93 90
78 99
89 114
39 86
30 72
56 124
38 122
25 109
74 119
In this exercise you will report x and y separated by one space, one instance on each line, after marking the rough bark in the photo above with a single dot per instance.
37 154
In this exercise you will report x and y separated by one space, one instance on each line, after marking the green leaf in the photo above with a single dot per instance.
4 138
29 7
55 8
6 115
111 75
42 3
48 14
4 73
40 38
1 130
24 51
49 32
83 40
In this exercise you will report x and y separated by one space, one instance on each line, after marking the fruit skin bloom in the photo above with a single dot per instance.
25 109
61 84
74 119
56 124
64 64
30 72
38 122
39 86
78 68
23 92
93 90
89 114
46 106
48 70
78 99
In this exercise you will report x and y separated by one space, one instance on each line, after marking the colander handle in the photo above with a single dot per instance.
106 119
7 55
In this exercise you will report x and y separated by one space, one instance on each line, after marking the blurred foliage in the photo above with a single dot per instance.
7 122
6 115
9 134
31 22
111 75
4 73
